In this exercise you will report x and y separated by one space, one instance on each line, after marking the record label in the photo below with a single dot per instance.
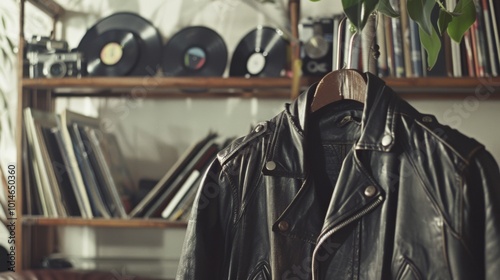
261 53
195 51
194 58
111 53
256 63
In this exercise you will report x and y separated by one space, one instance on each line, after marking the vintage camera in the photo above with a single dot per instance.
316 37
57 65
48 58
43 44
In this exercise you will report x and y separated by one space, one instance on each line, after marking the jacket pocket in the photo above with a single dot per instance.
408 271
261 272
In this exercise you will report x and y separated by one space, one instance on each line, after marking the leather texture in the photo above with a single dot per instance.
353 191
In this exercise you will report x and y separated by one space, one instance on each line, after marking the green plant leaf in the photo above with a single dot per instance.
384 6
444 19
460 24
431 44
358 11
420 11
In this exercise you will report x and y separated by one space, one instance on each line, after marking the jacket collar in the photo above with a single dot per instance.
285 156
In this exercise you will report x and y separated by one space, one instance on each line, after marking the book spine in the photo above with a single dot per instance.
405 32
469 53
493 6
478 67
416 50
488 29
399 63
481 40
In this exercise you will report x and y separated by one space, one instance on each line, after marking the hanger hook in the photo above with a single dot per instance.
339 41
351 44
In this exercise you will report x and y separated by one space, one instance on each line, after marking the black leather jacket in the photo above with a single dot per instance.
353 191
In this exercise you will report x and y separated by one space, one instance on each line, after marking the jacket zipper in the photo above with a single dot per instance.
339 227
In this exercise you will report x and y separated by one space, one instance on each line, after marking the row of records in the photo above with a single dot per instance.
125 44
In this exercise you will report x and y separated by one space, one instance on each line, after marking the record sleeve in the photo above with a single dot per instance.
97 200
170 176
103 178
181 193
202 158
42 173
122 44
104 197
69 199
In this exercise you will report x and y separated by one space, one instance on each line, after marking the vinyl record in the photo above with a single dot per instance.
195 51
123 44
261 53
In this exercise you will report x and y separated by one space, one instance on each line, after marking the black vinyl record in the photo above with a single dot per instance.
195 51
122 44
261 53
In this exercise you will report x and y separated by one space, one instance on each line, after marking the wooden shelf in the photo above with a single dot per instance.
49 6
426 87
175 87
99 222
156 82
432 87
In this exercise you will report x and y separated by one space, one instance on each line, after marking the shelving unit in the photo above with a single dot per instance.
99 222
40 93
243 87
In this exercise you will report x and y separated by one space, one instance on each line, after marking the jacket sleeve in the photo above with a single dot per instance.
484 227
205 242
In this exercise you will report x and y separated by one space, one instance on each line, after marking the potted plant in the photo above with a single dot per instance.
455 22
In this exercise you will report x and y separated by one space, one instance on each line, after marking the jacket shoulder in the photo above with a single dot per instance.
241 143
460 144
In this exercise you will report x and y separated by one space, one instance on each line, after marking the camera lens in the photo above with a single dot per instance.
55 70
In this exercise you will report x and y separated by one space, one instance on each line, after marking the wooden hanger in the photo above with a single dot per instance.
340 84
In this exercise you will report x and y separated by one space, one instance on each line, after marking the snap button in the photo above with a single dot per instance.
386 140
427 119
259 128
270 165
344 121
370 191
283 225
